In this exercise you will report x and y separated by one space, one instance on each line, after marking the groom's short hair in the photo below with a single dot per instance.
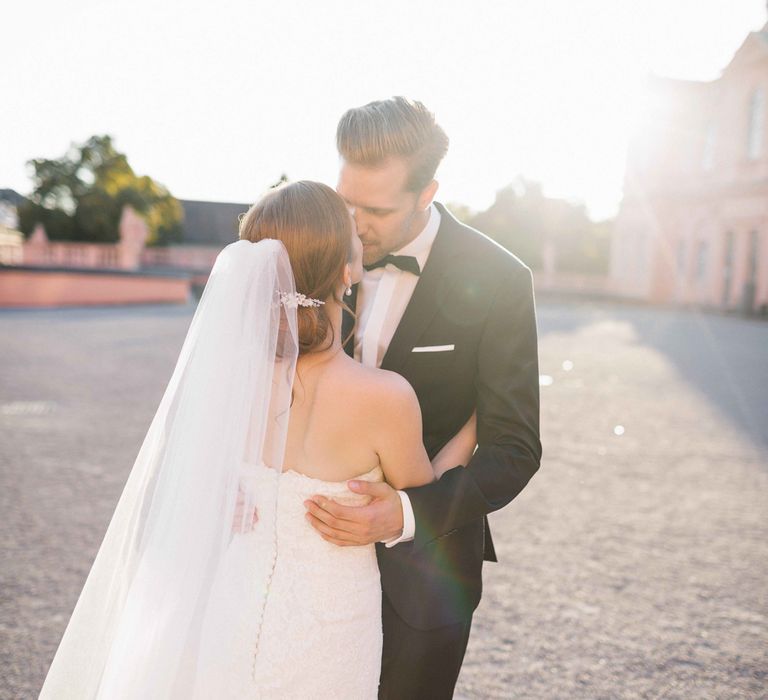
395 127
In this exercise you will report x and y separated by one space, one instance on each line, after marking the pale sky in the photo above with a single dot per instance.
216 100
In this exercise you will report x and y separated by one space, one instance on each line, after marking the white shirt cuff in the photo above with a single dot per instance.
409 522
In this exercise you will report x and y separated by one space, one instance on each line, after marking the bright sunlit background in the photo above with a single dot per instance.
216 100
634 564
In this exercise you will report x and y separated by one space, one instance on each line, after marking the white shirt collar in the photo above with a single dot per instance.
420 246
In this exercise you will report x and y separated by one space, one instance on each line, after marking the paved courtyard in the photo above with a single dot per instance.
633 566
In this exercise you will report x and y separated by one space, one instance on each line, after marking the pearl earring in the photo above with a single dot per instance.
348 292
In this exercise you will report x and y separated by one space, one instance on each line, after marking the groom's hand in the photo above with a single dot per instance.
348 526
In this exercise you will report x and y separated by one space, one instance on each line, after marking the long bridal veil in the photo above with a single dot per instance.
139 623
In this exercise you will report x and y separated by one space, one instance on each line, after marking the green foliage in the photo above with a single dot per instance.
523 220
461 211
585 249
81 195
281 181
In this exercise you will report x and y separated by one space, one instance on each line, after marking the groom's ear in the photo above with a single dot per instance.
427 195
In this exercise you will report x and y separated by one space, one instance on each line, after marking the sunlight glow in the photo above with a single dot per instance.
217 100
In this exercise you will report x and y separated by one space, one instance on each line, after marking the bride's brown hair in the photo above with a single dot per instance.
314 224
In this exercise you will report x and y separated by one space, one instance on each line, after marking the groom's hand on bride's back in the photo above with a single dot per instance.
349 526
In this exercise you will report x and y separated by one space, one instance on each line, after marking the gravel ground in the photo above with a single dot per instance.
633 565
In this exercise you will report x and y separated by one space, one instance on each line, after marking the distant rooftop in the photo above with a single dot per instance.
211 223
12 196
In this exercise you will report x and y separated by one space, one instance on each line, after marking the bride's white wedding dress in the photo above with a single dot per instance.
306 625
175 605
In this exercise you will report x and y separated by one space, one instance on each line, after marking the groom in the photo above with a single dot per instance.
453 312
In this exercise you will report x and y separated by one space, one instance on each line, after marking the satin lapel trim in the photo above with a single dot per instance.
348 321
423 305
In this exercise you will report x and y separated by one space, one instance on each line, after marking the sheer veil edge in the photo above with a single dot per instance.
136 628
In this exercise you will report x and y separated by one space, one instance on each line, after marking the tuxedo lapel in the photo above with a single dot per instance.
348 322
424 302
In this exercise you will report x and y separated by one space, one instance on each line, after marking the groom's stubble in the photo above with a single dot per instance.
387 215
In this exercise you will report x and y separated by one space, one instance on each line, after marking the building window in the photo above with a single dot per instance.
701 261
681 257
641 254
752 257
756 124
727 268
708 154
8 216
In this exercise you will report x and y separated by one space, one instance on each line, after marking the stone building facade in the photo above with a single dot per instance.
693 224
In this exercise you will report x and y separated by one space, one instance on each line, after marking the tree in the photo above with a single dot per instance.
523 220
281 181
461 211
81 195
517 220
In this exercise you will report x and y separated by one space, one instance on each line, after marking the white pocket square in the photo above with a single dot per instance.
434 348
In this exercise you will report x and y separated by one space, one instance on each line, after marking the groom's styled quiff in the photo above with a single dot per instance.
396 127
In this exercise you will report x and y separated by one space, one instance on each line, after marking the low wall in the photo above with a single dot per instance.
188 257
574 283
30 286
72 254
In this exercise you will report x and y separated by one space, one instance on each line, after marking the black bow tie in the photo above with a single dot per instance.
405 262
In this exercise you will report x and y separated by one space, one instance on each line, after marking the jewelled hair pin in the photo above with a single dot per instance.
293 299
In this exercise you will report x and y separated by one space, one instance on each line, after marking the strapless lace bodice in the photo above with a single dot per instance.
294 616
294 488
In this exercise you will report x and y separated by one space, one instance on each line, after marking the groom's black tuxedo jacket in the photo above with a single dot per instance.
478 297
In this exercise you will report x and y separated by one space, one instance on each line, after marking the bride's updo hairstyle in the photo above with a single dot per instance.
314 224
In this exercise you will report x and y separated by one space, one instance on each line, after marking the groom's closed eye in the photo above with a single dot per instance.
377 212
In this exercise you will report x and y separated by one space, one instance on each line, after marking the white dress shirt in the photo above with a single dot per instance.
382 297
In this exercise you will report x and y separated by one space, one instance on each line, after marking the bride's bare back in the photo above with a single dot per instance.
346 419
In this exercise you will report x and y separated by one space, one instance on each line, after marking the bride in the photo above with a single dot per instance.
210 583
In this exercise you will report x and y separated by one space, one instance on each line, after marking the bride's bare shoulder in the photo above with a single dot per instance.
375 387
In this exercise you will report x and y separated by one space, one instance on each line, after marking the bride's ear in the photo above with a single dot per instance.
346 277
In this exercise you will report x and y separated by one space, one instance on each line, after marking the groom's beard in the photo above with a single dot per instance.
406 235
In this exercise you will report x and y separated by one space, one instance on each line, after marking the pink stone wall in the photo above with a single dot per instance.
70 254
186 257
49 288
124 255
23 287
129 254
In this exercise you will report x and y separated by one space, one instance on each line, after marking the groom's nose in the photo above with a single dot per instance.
359 220
355 215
